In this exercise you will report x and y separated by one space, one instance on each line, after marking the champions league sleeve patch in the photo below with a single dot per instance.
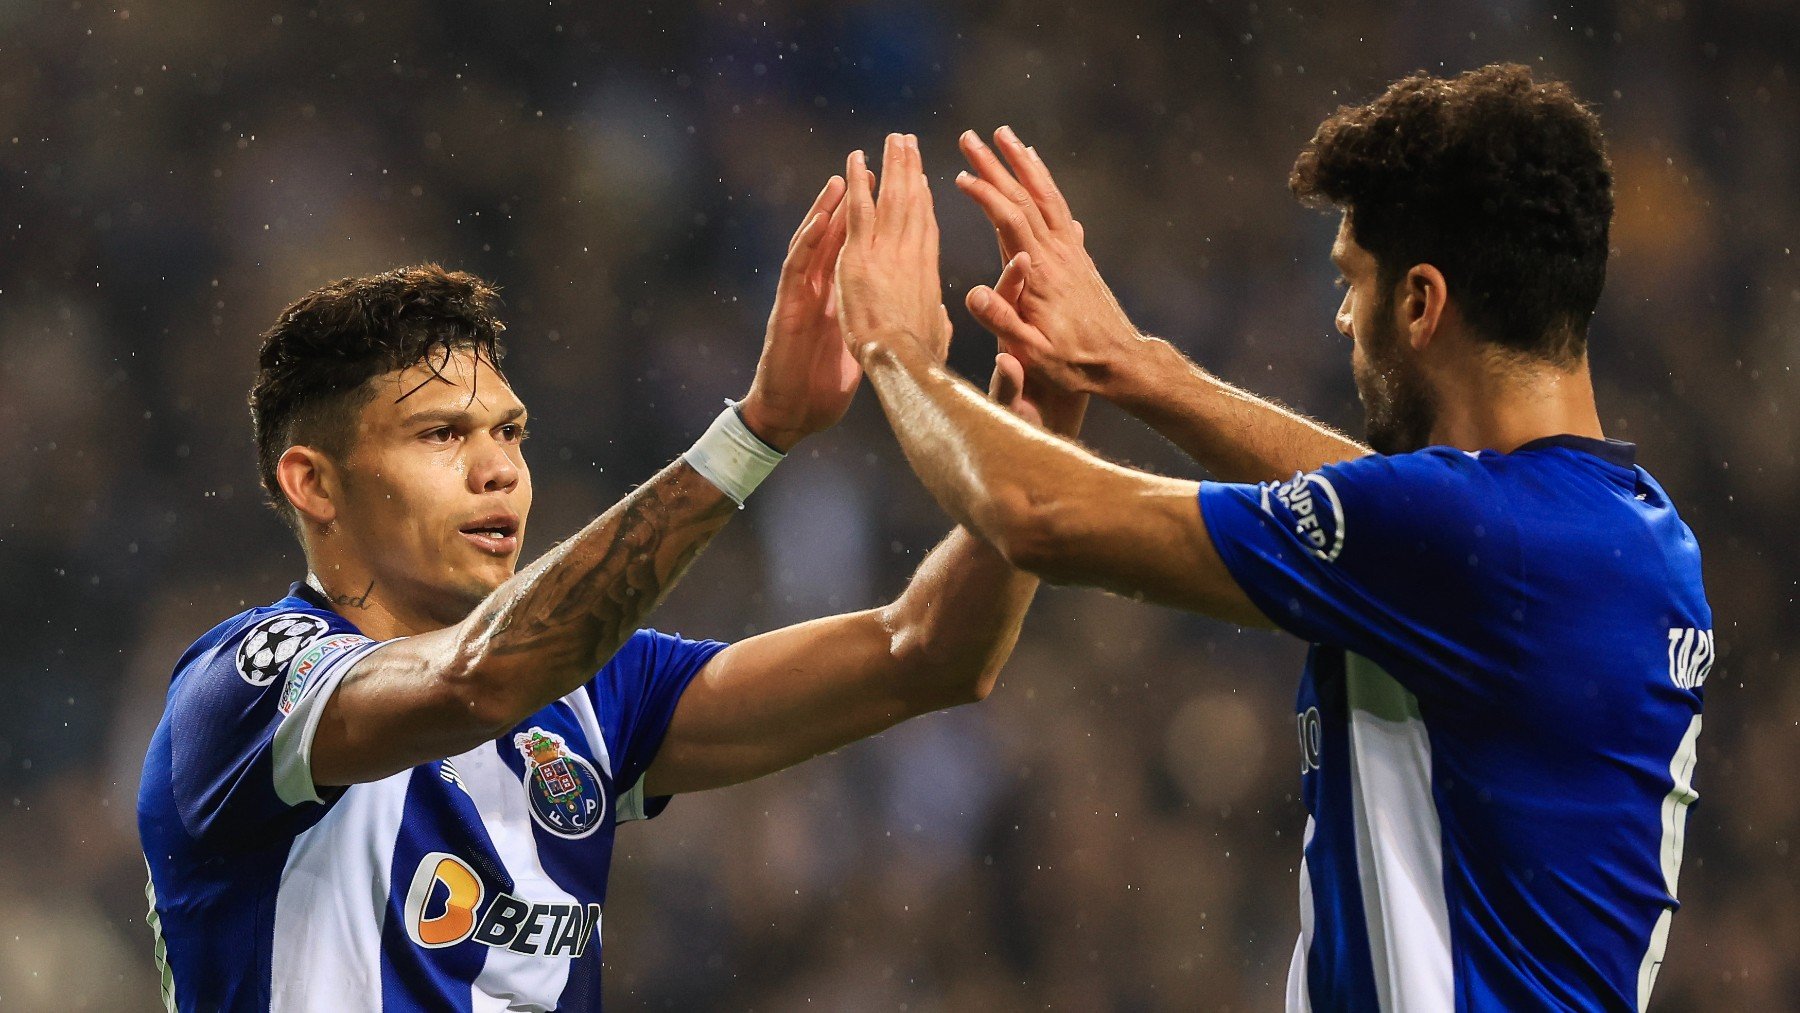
272 643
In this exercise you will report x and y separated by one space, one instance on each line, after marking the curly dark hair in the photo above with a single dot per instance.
313 371
1499 181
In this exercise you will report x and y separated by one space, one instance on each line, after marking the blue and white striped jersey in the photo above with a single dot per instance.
470 883
1497 721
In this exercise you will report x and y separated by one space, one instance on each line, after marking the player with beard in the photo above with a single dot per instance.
396 787
1509 632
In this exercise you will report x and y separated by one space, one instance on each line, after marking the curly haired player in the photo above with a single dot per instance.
1509 631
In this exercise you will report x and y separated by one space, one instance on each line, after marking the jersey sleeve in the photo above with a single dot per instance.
635 696
242 714
1395 558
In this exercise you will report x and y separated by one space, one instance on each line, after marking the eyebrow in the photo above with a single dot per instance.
447 416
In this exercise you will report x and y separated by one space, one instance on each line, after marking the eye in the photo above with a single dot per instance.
440 435
514 432
1340 282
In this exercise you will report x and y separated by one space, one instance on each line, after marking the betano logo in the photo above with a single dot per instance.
444 907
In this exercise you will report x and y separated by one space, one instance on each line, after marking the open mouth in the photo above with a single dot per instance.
497 535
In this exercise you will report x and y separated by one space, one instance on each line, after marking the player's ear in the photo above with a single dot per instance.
308 479
1421 301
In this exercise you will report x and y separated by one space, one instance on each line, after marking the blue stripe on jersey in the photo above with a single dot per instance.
413 977
562 862
212 918
214 897
1340 964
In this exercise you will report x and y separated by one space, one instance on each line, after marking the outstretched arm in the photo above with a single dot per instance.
1045 504
782 697
1066 324
545 631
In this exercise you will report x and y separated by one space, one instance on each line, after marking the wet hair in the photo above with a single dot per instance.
313 372
1500 182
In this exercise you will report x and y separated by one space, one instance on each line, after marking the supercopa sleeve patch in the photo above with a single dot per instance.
1314 512
274 642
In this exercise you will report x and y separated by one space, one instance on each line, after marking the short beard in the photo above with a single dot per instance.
1399 407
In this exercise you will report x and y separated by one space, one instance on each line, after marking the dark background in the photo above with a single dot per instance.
1117 827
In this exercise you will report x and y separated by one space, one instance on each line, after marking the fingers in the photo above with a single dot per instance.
801 252
1008 383
825 254
903 179
1007 388
926 224
918 203
1002 318
1015 209
859 198
1013 279
890 208
826 203
1035 175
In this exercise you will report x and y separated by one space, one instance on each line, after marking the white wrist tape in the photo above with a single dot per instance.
731 457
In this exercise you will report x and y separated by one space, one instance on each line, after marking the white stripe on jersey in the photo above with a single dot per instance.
628 804
590 726
161 945
1674 834
1399 843
1298 998
508 980
337 876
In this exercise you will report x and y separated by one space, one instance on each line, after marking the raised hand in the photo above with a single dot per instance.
1057 314
887 275
806 377
1028 394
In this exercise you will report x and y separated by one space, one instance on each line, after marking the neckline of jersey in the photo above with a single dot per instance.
1614 452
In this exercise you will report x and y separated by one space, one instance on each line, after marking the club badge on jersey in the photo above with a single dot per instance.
565 792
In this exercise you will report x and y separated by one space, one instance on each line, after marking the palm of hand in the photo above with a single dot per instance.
825 374
806 378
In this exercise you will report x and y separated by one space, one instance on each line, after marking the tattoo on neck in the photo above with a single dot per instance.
360 602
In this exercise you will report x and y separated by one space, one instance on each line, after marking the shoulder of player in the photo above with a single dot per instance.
291 625
1425 480
1437 497
648 647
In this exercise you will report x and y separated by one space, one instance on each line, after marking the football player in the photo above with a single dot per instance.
1499 714
397 787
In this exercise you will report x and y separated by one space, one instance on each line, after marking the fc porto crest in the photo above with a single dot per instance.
563 789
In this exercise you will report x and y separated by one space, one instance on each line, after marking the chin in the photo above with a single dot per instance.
489 581
474 587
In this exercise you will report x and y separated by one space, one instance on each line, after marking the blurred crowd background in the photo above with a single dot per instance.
1117 827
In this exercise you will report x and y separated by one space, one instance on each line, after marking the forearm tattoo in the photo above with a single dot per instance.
578 604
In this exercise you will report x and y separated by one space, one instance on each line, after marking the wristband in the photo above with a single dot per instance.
731 457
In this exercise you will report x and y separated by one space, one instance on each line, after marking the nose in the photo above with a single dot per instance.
1343 318
491 467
